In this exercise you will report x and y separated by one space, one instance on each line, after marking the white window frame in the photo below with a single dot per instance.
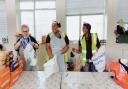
32 10
82 23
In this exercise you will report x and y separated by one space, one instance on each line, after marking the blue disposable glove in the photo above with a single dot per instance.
23 42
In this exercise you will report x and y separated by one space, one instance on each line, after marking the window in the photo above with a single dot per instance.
45 4
75 23
28 19
97 24
43 23
73 27
26 5
38 15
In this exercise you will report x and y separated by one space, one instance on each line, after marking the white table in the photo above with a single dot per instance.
88 80
70 80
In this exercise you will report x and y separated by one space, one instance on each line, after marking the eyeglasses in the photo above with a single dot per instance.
25 31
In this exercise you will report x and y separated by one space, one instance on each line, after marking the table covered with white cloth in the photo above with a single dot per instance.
67 80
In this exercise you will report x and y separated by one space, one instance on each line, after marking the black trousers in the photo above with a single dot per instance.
89 67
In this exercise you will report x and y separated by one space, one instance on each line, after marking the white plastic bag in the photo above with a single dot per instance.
29 54
51 67
99 59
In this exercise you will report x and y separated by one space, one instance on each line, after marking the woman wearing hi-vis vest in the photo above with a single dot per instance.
88 45
57 43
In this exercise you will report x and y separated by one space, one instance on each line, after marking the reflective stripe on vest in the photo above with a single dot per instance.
66 58
83 44
46 58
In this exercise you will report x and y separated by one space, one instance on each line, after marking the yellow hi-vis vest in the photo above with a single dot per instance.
63 34
83 44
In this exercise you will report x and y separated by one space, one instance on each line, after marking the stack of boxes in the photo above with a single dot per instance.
7 78
16 74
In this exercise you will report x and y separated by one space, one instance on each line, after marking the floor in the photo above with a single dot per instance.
68 80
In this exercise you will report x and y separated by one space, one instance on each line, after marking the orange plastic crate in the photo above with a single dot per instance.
21 62
5 78
5 84
21 65
20 68
14 76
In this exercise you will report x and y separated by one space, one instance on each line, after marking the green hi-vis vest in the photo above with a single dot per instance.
63 34
83 44
46 58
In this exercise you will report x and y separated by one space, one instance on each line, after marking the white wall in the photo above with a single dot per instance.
114 50
61 13
122 11
3 20
11 23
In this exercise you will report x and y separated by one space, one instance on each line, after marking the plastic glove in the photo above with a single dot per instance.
32 43
23 43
